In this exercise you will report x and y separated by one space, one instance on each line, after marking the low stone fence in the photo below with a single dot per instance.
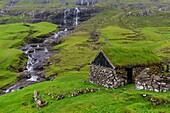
157 83
107 77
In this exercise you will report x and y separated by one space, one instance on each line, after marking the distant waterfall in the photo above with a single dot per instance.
66 12
76 14
71 17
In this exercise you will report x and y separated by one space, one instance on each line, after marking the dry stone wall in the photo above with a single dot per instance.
107 77
154 69
145 78
152 82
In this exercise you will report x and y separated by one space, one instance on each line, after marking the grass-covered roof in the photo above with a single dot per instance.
123 57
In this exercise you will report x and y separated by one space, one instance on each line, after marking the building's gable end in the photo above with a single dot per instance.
102 60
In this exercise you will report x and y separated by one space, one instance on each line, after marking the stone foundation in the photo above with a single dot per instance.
107 77
152 82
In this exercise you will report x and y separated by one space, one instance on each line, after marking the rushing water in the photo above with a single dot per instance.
76 13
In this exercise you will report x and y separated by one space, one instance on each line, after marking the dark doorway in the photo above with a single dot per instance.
167 68
129 75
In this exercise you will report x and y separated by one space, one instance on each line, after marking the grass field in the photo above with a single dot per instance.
156 39
122 100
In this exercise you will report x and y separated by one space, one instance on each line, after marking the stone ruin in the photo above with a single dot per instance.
152 82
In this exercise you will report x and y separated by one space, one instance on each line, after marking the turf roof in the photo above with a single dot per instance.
124 57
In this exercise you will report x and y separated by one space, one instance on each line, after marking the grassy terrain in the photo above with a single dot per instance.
129 57
12 36
156 39
122 100
30 5
77 51
76 46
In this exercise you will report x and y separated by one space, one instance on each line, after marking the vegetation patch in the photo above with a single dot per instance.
130 57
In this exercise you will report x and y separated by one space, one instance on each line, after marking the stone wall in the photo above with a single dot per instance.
153 82
107 77
154 69
145 78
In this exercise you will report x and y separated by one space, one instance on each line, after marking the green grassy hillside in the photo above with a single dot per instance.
122 100
113 28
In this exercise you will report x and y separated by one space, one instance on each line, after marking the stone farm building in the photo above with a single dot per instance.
114 67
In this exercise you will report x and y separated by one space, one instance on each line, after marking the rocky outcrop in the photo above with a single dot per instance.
66 18
107 77
152 82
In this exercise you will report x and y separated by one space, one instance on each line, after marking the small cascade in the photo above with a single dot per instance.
38 45
46 50
68 15
82 2
76 19
28 50
10 89
33 78
29 66
37 55
87 2
66 12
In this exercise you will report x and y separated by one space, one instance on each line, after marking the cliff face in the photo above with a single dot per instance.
77 10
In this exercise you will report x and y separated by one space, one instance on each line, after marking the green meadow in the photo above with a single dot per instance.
122 100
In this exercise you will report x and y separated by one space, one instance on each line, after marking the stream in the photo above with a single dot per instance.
39 53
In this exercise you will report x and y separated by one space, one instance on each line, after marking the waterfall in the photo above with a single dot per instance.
71 13
10 89
87 2
29 66
45 49
28 50
66 12
76 13
33 78
56 35
82 2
